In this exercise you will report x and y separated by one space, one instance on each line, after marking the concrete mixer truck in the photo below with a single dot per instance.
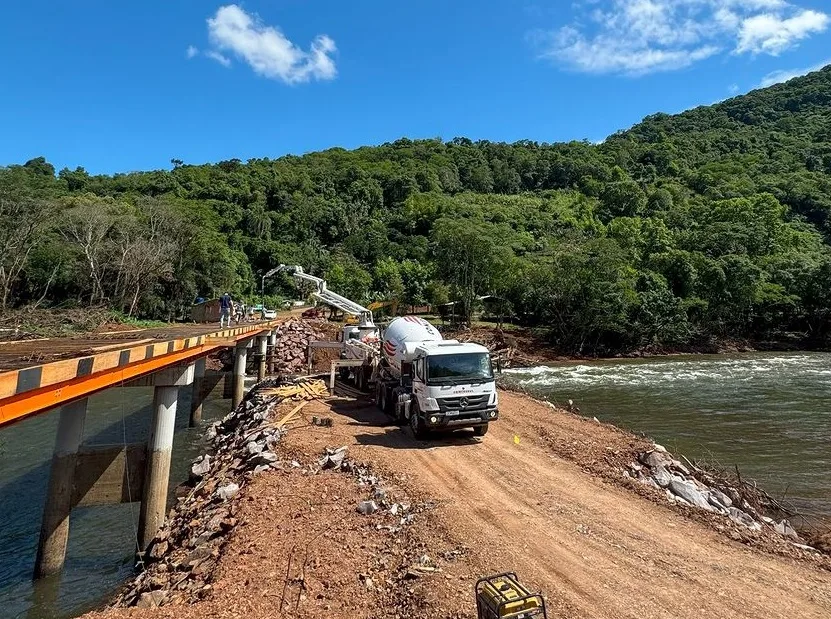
432 383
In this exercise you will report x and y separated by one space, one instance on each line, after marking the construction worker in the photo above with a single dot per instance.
226 304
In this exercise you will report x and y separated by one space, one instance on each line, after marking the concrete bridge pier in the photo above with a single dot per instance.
54 531
159 447
262 349
240 361
272 348
197 393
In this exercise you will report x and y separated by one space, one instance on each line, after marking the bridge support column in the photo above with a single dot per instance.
240 361
197 393
159 447
262 348
272 349
54 531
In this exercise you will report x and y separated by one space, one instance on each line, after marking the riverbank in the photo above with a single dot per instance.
524 347
544 493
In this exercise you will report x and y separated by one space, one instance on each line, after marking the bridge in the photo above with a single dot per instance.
45 375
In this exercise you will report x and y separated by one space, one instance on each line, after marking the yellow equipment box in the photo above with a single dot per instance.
502 597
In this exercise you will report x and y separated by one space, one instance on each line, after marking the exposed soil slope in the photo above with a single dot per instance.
510 503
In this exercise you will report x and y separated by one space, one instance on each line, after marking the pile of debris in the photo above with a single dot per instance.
301 389
180 560
392 514
690 485
293 338
506 349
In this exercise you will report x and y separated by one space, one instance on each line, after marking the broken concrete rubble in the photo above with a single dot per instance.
333 459
367 507
688 485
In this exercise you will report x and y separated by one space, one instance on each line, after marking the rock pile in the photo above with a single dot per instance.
693 486
290 354
183 555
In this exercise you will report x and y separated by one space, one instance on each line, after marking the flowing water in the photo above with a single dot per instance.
768 414
100 554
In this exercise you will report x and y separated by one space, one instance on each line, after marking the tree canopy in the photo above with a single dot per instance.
711 223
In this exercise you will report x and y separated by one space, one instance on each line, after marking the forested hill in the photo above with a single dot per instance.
709 224
775 140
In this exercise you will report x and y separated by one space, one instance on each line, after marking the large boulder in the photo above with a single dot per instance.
688 491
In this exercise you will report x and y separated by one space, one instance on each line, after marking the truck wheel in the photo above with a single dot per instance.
480 430
383 398
388 400
417 426
379 395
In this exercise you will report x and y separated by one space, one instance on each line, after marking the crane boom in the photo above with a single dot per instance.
324 294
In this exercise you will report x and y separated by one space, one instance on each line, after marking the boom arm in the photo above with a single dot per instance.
324 294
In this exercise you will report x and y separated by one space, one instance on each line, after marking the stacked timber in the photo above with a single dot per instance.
301 389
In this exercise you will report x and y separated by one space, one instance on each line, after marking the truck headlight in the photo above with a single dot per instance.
434 419
431 404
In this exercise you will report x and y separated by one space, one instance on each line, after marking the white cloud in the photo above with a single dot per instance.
220 58
191 51
267 50
636 37
733 89
770 34
783 75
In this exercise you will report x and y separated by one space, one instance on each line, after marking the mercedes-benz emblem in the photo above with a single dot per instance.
463 402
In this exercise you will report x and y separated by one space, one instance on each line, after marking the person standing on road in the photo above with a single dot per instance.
225 306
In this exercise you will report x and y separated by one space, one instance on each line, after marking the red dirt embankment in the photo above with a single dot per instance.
537 495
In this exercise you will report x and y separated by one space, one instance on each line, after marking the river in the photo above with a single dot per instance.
101 546
769 414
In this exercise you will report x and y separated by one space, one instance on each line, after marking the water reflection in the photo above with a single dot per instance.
102 538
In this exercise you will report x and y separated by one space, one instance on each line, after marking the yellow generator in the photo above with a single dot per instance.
502 597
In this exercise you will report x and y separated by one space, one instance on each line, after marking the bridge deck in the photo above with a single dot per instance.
37 375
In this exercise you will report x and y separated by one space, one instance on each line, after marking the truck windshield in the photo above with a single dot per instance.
453 368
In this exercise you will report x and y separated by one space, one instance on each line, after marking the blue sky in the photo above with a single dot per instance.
120 86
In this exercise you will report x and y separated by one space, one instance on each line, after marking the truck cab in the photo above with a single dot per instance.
453 386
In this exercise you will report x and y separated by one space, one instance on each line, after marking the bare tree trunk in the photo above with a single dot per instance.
46 288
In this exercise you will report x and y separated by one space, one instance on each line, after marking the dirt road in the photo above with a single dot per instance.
595 549
515 500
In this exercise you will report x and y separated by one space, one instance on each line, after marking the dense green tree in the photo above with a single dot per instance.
711 223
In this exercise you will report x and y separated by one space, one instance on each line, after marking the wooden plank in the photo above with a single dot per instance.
106 360
129 344
291 414
107 475
34 339
47 397
8 384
